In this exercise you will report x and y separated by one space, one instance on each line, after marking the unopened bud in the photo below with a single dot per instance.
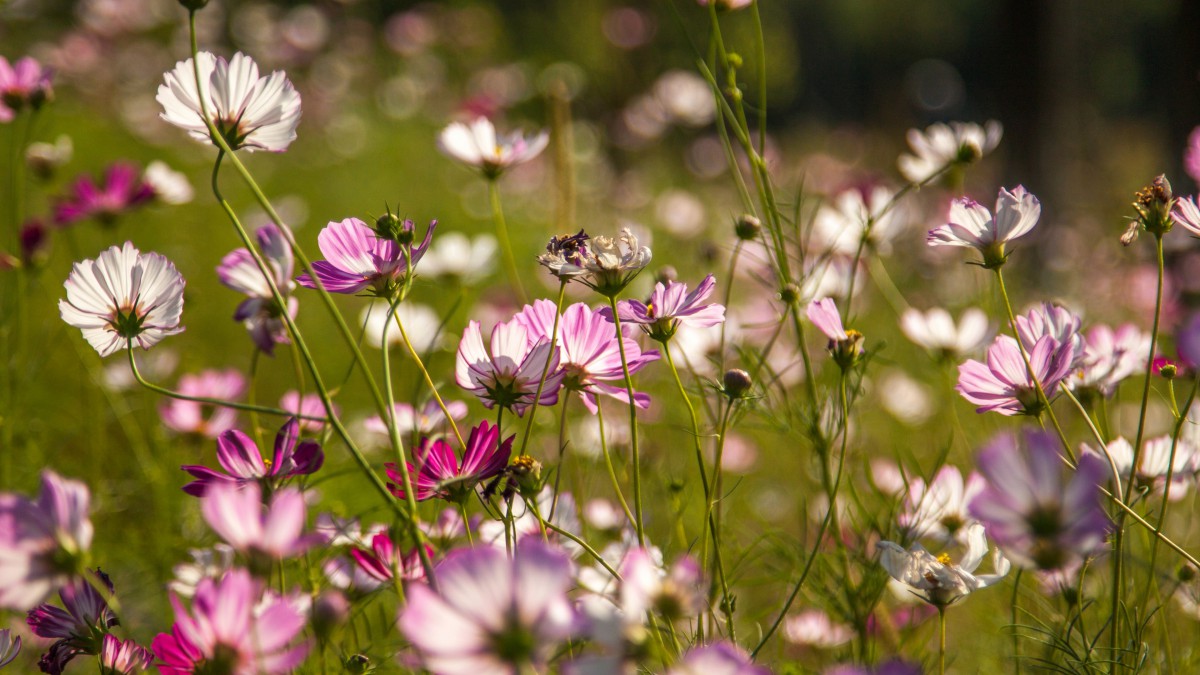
790 294
359 664
1185 573
747 227
666 274
736 383
734 60
193 5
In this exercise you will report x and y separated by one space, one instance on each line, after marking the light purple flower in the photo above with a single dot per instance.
9 646
243 464
77 629
358 259
718 658
124 294
1041 514
492 614
260 313
671 306
430 421
1110 356
437 472
1003 384
1056 321
509 376
24 83
590 355
936 579
383 563
188 417
121 191
40 541
939 509
234 625
477 145
236 513
122 657
973 226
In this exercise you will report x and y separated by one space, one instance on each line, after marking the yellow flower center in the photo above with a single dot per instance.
944 558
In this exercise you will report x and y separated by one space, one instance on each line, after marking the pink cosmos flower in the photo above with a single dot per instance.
973 226
1043 515
1056 321
234 627
236 514
124 295
260 313
646 587
840 225
590 355
239 456
718 658
305 407
122 657
252 112
40 540
1003 384
1186 213
509 376
477 145
1110 356
9 646
939 509
384 564
814 628
77 629
492 613
1158 459
121 191
24 83
189 417
671 306
358 259
430 421
437 472
824 315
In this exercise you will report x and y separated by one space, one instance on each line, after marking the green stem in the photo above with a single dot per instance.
412 352
537 397
510 263
633 428
1158 295
612 473
942 639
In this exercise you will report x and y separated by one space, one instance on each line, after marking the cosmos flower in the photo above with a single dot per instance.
206 563
646 587
124 295
477 145
169 186
193 417
815 628
671 306
42 540
121 190
1056 321
942 145
122 657
844 345
77 627
248 111
429 421
438 473
383 563
841 223
565 255
260 313
510 374
492 613
305 407
1003 384
939 509
234 627
1110 356
457 256
357 259
24 83
1155 463
236 513
936 579
612 263
1043 515
718 658
10 646
973 226
936 332
243 464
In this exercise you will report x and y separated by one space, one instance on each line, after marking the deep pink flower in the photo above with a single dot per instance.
122 657
78 628
1003 384
358 259
671 306
590 356
188 417
236 513
509 376
383 563
492 613
243 464
437 472
24 83
260 313
235 628
40 541
121 190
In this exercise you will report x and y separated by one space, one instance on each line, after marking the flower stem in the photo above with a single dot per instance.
633 429
424 372
941 640
1158 295
612 473
537 397
510 262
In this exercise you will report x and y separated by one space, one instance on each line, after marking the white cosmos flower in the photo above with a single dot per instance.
936 579
973 226
421 324
935 331
455 255
944 144
121 295
841 223
476 144
170 186
252 112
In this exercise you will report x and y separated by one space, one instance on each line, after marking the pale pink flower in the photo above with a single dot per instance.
824 315
510 374
40 540
24 83
1056 321
671 306
814 628
260 313
478 145
936 332
123 656
429 421
939 509
193 417
646 587
1155 463
304 408
937 580
973 226
840 225
1110 356
1003 384
236 514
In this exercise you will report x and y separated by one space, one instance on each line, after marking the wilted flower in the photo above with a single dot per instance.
718 658
972 225
122 190
358 259
248 111
124 295
509 376
122 657
236 513
436 471
936 579
935 331
24 83
243 464
492 613
939 509
1041 514
1155 206
1003 384
260 313
566 255
9 646
941 146
189 417
77 629
477 145
814 628
42 542
612 263
671 306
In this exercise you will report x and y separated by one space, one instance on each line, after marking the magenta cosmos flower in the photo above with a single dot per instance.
76 628
1003 384
670 307
22 84
973 226
243 464
236 513
260 313
41 541
121 190
479 146
358 259
383 562
121 657
509 376
438 473
124 295
234 627
1042 514
193 417
492 613
589 354
252 112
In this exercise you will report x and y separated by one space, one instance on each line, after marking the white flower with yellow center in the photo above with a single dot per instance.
936 579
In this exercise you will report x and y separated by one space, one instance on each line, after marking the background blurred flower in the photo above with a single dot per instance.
193 417
24 83
477 145
942 145
42 542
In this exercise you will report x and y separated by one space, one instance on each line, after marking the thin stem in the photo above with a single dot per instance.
633 428
612 473
510 263
733 260
695 421
537 397
424 373
941 639
1158 295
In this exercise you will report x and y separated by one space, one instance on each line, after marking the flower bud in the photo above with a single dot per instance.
734 60
359 664
389 226
736 383
1153 204
747 227
193 5
790 294
666 274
